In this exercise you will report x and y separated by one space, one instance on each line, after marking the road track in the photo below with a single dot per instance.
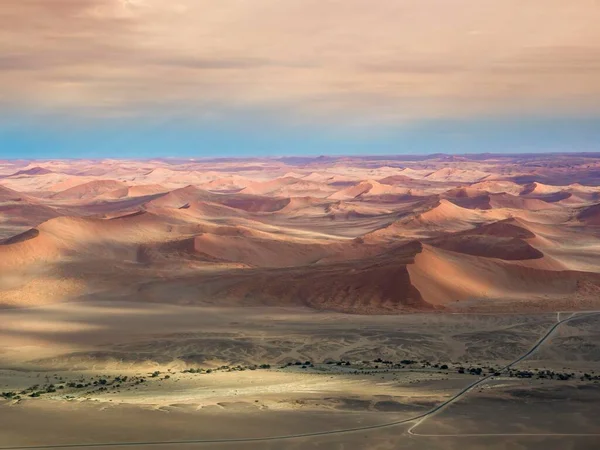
418 419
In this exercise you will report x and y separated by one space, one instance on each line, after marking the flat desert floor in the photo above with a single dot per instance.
337 303
352 388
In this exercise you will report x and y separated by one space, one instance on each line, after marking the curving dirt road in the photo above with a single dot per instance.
419 419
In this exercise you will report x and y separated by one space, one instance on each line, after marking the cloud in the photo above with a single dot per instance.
311 60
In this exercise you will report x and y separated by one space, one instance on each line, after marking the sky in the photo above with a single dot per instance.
146 78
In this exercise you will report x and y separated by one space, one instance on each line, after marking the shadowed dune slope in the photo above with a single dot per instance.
10 195
89 190
443 276
590 215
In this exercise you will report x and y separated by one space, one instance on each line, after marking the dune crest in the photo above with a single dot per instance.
351 234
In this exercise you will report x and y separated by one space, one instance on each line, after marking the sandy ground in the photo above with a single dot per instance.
87 342
123 334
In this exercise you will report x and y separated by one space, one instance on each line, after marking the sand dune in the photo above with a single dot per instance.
23 213
35 170
287 186
446 211
498 187
181 197
267 187
504 200
455 174
69 237
230 183
354 234
442 276
89 190
19 212
43 183
590 215
134 191
367 188
198 210
507 248
470 198
540 188
162 175
379 284
445 216
465 192
508 228
399 180
254 251
304 207
10 195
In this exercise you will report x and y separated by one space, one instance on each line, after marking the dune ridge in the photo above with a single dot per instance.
356 235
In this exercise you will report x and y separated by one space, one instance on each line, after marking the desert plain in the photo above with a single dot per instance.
430 302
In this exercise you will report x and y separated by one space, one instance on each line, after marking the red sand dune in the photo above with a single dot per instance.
31 171
590 215
287 186
365 188
10 195
488 246
443 276
540 188
182 196
456 174
511 201
433 233
89 190
141 190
